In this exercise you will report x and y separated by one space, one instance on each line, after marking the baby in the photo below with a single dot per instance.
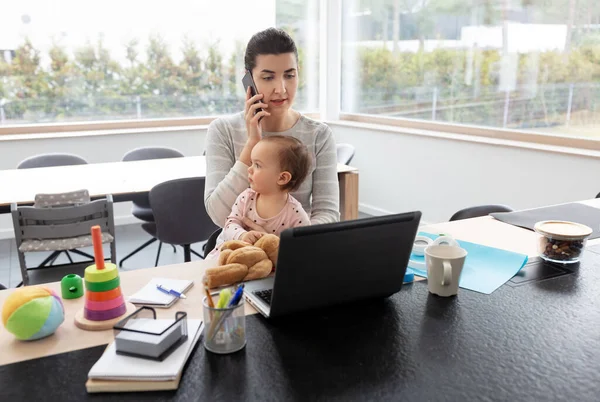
279 166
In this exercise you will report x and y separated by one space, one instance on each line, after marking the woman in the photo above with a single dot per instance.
272 58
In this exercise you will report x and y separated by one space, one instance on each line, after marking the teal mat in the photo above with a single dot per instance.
486 268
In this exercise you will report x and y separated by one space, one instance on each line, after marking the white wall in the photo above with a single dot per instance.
97 149
403 172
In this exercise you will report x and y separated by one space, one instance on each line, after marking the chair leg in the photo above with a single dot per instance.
23 266
81 253
113 250
69 256
55 255
195 253
158 254
143 246
50 259
187 257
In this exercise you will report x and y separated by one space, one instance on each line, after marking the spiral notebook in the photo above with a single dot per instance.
149 295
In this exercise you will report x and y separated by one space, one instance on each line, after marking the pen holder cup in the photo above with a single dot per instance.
225 328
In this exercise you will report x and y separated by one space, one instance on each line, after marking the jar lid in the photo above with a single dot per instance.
563 230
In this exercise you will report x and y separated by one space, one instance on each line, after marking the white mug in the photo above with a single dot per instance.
444 266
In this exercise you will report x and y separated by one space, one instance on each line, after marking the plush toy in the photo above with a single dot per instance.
240 261
32 312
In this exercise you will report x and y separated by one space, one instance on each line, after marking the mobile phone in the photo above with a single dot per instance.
249 82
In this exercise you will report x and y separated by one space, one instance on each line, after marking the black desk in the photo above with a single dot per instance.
539 341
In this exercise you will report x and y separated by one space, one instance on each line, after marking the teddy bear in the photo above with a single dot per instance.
240 261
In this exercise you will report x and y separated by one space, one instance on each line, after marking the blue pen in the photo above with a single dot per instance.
237 296
170 291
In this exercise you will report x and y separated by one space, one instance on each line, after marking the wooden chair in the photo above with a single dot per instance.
60 228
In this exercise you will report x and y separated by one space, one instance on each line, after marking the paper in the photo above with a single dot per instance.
112 366
486 268
150 295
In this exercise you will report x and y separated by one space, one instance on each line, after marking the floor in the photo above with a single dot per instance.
129 237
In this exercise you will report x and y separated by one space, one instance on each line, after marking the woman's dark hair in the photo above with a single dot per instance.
293 158
270 41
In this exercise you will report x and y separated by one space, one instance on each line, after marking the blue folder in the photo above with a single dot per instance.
486 268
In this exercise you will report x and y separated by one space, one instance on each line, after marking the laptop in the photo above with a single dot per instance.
336 263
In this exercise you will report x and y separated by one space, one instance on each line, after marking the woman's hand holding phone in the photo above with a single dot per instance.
252 117
252 124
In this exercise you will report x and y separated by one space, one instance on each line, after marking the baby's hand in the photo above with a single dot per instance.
251 236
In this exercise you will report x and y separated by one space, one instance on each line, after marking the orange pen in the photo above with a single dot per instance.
209 298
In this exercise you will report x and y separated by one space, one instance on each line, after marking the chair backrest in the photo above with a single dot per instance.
140 154
49 160
211 242
179 212
62 222
145 153
345 153
480 210
78 197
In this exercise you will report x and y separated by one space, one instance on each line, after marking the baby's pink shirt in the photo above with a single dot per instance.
292 215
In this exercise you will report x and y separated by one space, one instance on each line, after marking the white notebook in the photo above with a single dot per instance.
149 295
112 366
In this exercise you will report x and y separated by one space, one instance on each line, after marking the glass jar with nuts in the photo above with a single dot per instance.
562 241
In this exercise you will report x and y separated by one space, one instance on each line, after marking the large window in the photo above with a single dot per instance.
71 60
516 64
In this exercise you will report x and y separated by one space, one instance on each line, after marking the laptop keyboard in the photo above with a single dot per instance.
265 295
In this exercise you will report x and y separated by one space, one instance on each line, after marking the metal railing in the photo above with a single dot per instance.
535 106
98 108
526 107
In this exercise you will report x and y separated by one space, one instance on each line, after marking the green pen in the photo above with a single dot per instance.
224 298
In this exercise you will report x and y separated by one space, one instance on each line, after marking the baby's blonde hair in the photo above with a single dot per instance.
293 158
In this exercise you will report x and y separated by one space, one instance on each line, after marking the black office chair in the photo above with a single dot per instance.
52 160
211 242
141 204
180 215
345 153
2 287
480 210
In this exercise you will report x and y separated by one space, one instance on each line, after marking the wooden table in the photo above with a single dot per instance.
126 179
511 345
68 337
485 230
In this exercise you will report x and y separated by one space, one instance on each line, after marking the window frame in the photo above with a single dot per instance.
480 132
330 92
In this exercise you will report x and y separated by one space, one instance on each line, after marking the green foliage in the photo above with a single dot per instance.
214 65
191 69
92 85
